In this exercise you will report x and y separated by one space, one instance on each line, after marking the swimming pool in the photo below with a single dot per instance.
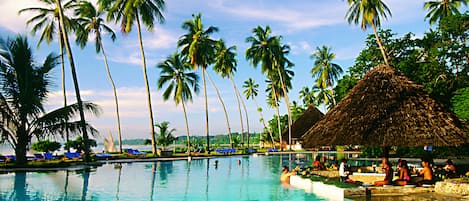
255 178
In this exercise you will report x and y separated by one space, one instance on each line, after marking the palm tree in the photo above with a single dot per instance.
199 48
24 85
273 100
181 82
48 20
225 65
323 96
87 157
324 71
90 20
307 96
438 9
251 89
367 13
267 50
129 12
165 137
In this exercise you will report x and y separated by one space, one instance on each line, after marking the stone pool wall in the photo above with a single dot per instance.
452 186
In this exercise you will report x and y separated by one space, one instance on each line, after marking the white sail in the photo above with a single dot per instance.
109 145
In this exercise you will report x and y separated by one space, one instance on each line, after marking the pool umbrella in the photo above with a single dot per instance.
304 122
385 109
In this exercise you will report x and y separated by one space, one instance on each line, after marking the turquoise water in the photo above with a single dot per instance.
254 179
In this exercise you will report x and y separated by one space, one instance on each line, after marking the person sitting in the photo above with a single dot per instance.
426 174
317 164
450 169
285 177
388 174
342 172
404 174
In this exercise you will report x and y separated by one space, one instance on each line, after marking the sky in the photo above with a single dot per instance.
303 24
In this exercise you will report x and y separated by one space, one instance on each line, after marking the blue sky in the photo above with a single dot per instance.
303 24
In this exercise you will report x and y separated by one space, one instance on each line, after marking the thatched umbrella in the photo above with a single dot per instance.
384 109
304 122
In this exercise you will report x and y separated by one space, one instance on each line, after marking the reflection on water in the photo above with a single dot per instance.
236 178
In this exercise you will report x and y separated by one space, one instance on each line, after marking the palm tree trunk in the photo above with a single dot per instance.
381 47
245 110
75 83
224 109
187 129
287 103
278 117
147 87
265 124
116 101
239 108
206 110
62 64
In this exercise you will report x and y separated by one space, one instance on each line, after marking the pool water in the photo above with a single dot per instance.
255 178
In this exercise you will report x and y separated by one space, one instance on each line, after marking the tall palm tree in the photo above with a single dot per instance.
129 12
24 85
92 23
87 157
251 89
181 81
48 20
200 49
225 65
268 50
273 100
438 9
324 70
367 13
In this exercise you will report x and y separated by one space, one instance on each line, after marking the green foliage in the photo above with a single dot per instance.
371 152
165 136
460 102
147 142
79 144
46 146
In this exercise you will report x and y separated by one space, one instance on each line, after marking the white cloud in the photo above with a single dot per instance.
10 19
161 39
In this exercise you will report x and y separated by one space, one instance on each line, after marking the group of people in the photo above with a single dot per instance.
424 175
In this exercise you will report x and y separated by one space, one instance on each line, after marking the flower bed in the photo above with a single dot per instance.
458 186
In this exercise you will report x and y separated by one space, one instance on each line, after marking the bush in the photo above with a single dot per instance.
79 144
46 146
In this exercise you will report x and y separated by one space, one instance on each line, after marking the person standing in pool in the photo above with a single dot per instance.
285 177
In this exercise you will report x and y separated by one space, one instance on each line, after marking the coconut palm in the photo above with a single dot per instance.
367 13
165 136
322 96
225 65
91 22
181 82
129 12
251 89
87 157
273 100
324 71
268 50
438 9
24 85
307 96
48 21
200 49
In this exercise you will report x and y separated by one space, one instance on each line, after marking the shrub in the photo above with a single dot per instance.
46 146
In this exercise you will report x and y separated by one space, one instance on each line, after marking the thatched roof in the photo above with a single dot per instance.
307 120
386 108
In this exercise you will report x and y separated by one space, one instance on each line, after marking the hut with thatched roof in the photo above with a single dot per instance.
304 122
385 108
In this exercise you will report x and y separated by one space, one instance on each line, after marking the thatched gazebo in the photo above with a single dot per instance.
385 108
304 122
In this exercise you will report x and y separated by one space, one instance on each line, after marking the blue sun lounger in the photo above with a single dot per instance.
72 155
103 156
134 152
48 156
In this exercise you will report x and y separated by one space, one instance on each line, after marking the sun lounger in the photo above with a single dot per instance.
72 155
104 156
48 156
10 157
134 152
273 150
252 151
38 157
